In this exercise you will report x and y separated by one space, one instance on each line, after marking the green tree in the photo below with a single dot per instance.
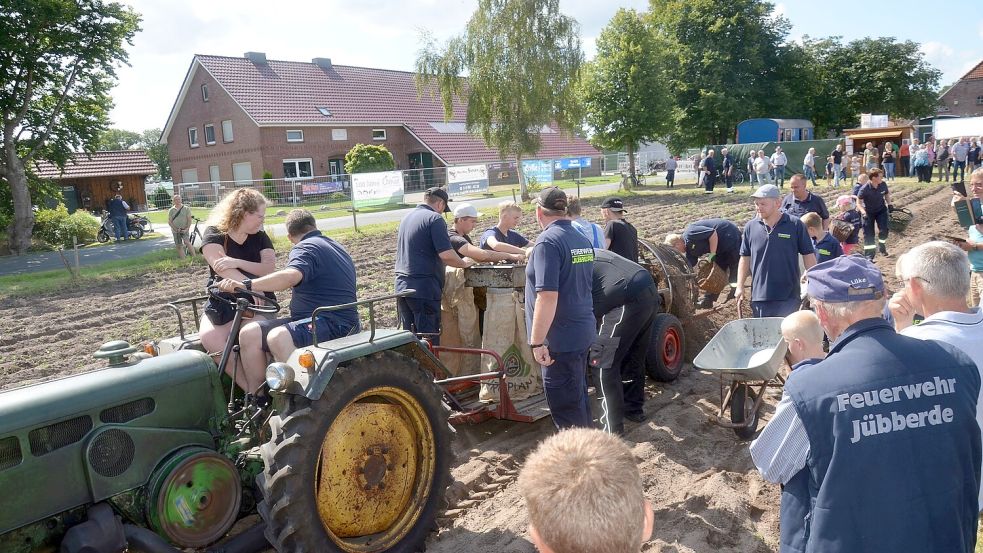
368 158
870 75
623 89
157 152
118 139
724 65
523 59
58 60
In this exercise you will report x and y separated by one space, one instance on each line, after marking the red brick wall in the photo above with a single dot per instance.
194 112
961 98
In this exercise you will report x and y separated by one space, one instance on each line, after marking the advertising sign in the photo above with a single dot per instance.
468 179
571 163
326 187
539 169
377 188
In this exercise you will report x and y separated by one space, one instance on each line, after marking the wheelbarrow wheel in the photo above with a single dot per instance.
664 359
742 411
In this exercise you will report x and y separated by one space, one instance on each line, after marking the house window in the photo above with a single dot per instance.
339 134
193 137
213 174
325 111
227 130
378 134
204 93
242 173
189 176
979 100
297 168
209 134
295 136
336 166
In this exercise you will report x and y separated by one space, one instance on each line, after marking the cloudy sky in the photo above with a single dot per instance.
386 34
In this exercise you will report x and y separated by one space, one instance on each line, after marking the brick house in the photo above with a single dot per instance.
236 118
89 181
965 98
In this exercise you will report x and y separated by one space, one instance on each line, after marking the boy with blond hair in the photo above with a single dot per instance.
584 495
826 245
501 237
804 336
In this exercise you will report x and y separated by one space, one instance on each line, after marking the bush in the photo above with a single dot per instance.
56 227
269 188
161 198
368 158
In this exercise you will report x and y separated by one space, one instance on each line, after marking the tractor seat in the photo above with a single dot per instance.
176 343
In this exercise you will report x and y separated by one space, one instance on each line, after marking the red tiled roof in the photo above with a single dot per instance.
974 73
286 92
99 164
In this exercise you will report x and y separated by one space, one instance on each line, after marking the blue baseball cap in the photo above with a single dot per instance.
846 278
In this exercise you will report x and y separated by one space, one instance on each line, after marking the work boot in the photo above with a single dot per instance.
636 417
882 247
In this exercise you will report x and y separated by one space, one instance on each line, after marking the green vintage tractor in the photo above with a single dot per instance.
158 454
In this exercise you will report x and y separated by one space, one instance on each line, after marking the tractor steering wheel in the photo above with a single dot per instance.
270 306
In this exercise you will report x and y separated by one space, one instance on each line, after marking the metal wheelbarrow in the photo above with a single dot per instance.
749 352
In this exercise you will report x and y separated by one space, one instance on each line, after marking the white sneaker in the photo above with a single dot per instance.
730 190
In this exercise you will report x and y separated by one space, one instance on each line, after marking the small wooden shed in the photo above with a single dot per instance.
89 181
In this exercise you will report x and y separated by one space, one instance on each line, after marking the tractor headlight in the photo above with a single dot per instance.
279 376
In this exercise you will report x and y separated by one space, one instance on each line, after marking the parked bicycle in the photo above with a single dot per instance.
627 182
196 232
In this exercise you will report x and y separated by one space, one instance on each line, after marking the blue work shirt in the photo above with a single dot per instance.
975 256
811 204
774 257
873 198
327 278
422 236
697 238
512 238
116 208
828 248
562 261
894 447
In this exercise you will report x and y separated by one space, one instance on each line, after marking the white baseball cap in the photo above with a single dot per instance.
465 210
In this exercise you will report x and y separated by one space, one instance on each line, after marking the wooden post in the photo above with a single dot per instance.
354 218
75 246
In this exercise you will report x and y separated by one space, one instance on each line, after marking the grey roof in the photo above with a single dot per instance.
792 123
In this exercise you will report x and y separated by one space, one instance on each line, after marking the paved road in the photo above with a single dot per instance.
47 261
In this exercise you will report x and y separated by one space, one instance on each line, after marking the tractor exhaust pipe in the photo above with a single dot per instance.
252 540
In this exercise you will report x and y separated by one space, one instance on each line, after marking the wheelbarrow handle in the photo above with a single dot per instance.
740 309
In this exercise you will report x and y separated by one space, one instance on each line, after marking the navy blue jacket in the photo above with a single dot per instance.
697 239
894 460
116 208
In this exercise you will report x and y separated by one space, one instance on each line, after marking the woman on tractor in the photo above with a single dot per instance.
236 247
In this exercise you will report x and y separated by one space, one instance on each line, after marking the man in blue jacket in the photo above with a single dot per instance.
885 428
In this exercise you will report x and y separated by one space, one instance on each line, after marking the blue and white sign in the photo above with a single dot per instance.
468 179
572 163
539 169
326 187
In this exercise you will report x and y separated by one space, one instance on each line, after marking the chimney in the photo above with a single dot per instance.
323 63
256 57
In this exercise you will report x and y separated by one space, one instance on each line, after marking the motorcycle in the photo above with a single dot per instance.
137 225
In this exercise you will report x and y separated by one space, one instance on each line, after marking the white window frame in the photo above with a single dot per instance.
193 137
227 134
205 130
237 169
339 135
383 137
979 100
214 174
204 92
184 176
296 162
301 139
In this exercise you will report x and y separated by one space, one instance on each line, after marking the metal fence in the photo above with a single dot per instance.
327 191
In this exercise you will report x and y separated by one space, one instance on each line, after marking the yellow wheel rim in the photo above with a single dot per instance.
376 469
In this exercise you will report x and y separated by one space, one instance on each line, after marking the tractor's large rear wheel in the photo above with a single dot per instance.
363 469
664 360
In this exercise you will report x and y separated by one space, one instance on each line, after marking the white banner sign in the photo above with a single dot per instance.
467 179
377 188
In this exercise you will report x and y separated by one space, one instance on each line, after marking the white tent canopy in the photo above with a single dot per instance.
957 127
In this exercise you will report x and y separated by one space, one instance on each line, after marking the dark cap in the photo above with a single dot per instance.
846 278
439 193
613 203
553 198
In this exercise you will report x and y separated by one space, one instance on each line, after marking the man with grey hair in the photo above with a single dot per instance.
880 399
936 281
709 173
